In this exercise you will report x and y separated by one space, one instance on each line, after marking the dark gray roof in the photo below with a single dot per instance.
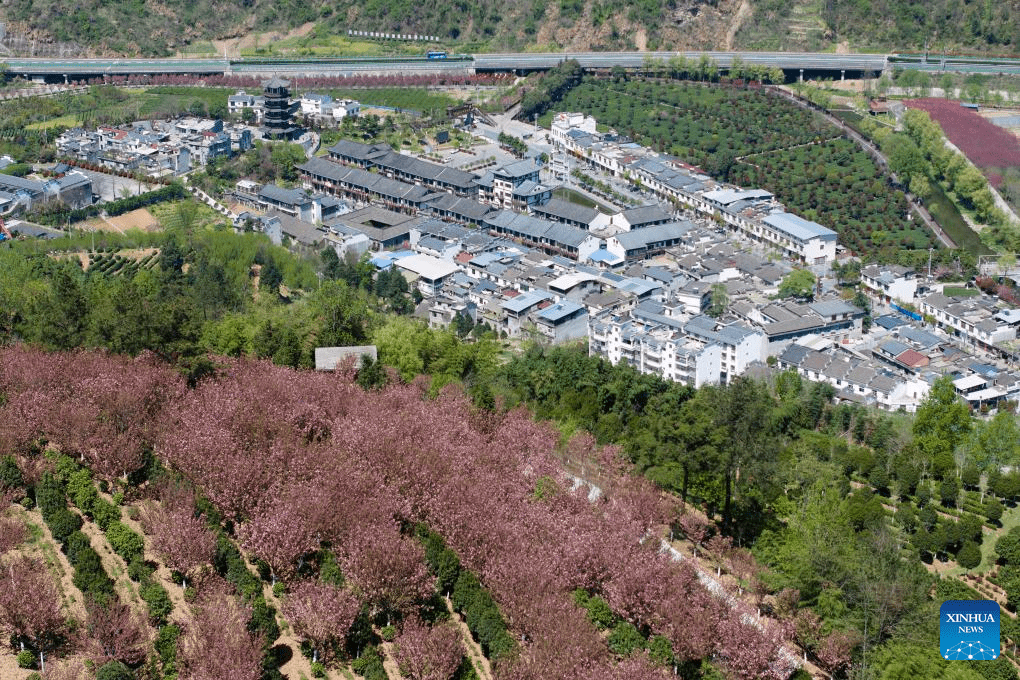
291 197
659 233
302 232
367 181
645 214
794 354
566 211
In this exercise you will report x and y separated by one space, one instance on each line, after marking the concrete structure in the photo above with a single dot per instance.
889 283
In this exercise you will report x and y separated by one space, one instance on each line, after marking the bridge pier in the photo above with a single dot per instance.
842 74
65 79
800 78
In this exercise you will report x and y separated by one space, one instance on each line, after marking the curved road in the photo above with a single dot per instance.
879 158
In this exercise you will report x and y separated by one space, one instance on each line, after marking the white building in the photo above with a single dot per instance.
655 348
430 273
313 104
975 320
563 123
889 283
345 108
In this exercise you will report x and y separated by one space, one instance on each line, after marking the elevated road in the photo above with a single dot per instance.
791 62
783 60
114 67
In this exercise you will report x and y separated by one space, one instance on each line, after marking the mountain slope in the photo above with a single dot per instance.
162 27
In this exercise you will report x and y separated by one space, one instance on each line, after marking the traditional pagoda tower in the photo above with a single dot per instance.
276 123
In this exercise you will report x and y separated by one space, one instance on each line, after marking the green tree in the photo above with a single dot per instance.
718 300
1007 548
941 423
800 283
343 313
993 444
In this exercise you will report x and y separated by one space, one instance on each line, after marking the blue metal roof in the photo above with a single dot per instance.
798 228
560 310
525 300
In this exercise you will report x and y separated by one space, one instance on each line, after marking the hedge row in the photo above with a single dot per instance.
89 576
468 596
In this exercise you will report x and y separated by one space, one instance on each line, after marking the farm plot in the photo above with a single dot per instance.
987 145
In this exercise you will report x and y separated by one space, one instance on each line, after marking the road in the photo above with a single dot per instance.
500 62
879 158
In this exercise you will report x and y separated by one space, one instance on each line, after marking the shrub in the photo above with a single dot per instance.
114 670
50 496
158 601
625 639
10 473
63 523
139 570
600 613
166 643
89 576
104 513
82 491
318 669
26 659
370 664
388 633
75 543
124 541
992 509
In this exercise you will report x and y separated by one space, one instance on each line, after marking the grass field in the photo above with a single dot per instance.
579 199
948 216
326 44
959 291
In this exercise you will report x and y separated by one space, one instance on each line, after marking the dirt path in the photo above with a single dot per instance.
232 46
474 651
389 663
743 11
182 610
46 548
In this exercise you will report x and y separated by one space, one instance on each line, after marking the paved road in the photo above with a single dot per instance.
786 60
809 61
879 158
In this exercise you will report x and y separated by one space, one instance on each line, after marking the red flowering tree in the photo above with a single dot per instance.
12 533
115 633
424 653
178 537
217 643
30 606
320 613
389 570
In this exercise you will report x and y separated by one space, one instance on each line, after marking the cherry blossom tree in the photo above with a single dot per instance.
321 613
12 533
834 654
181 539
718 547
287 525
115 633
694 528
30 605
217 643
424 653
389 569
67 669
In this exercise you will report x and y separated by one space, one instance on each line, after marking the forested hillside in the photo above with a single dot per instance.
139 28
